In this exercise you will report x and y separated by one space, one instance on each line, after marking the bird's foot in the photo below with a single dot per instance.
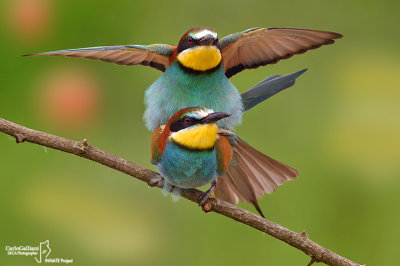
157 181
204 196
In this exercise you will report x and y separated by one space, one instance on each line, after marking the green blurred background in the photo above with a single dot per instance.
339 126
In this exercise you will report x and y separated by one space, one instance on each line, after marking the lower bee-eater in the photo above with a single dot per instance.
190 151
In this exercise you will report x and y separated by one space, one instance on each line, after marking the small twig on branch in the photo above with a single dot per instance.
312 261
300 241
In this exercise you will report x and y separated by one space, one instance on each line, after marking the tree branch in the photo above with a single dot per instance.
84 149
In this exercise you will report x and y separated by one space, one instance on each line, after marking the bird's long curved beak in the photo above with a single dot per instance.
214 117
207 40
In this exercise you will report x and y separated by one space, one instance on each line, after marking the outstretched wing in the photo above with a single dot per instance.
154 55
250 175
262 46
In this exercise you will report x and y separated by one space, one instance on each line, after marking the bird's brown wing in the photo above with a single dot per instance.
155 151
155 55
250 175
224 152
262 46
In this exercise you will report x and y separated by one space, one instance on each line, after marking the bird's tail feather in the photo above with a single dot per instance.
267 88
250 175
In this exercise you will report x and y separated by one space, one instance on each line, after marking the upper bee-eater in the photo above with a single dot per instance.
197 72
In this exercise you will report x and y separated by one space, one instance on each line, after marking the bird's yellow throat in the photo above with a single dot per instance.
200 137
200 58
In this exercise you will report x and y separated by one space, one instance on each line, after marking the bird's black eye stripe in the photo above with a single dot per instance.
187 43
190 42
182 123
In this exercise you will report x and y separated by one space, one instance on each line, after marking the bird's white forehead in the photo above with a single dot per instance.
201 113
200 34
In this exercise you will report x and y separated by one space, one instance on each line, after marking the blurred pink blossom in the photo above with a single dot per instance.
70 98
29 19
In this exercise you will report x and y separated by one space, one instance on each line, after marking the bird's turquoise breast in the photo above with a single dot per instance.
187 168
177 89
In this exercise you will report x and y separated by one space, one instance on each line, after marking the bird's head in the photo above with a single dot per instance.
198 49
194 127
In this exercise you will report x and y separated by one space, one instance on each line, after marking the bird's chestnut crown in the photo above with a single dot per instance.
197 117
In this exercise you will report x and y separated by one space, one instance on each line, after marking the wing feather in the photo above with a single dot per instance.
262 46
155 152
224 153
251 174
155 55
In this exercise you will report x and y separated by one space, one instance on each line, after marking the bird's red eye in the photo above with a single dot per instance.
190 39
187 120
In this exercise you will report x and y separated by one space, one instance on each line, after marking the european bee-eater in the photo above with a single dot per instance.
190 151
197 72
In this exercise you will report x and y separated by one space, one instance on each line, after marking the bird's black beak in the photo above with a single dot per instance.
214 117
207 40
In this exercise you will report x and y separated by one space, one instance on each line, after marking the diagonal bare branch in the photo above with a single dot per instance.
300 241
